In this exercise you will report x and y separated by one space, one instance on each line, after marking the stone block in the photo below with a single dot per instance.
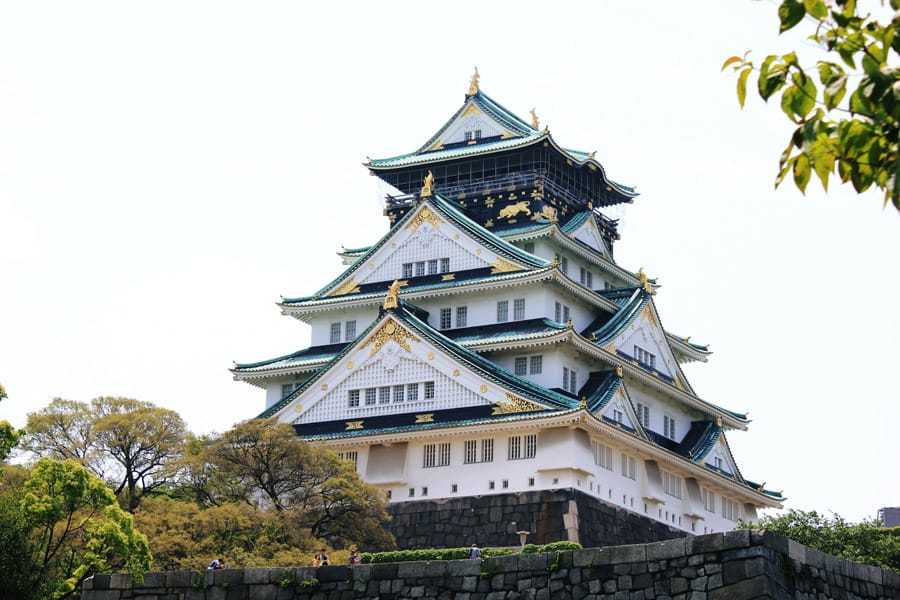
120 581
106 595
230 577
100 582
152 580
796 551
384 571
533 562
329 574
590 557
704 544
739 538
755 587
667 549
463 568
627 554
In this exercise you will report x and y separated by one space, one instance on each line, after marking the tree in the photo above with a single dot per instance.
72 528
9 435
861 137
3 395
132 444
864 542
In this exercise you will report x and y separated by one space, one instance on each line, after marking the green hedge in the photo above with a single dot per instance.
459 553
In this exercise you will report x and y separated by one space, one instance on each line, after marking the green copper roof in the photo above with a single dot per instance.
415 158
307 355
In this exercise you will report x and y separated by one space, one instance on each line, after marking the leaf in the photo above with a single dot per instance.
742 85
834 91
801 172
730 61
816 8
790 12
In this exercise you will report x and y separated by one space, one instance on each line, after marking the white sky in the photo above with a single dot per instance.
169 169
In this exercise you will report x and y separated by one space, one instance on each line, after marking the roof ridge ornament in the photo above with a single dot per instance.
427 184
473 84
392 298
535 122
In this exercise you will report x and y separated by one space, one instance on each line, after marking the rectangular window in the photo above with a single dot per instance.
669 427
557 312
445 318
528 247
504 484
286 389
335 333
617 415
487 450
371 393
643 414
412 392
537 364
530 445
429 455
420 268
519 309
671 484
490 485
407 270
503 311
521 365
573 381
564 265
445 265
590 280
351 455
628 466
353 398
709 500
444 454
425 490
462 316
432 266
567 314
429 390
565 384
582 276
398 392
470 452
603 455
384 395
514 448
729 509
349 331
645 358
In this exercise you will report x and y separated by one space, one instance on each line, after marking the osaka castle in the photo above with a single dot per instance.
488 344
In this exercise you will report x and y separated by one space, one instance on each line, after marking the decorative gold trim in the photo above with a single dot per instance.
393 296
349 364
448 276
511 210
483 388
620 373
351 425
507 134
298 408
473 83
535 122
324 387
515 405
390 330
456 372
426 215
427 184
425 418
503 266
431 356
349 287
471 110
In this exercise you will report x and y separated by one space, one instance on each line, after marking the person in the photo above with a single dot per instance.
355 558
474 551
217 563
321 558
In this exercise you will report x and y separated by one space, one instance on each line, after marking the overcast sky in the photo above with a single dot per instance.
169 169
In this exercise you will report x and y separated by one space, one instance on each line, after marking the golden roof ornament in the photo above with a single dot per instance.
534 120
583 404
427 184
473 83
642 276
392 298
718 421
620 373
592 154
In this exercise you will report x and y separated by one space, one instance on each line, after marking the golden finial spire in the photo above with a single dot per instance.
392 298
473 83
642 276
426 184
592 154
534 120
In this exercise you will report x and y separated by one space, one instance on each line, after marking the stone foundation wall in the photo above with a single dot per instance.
737 565
548 516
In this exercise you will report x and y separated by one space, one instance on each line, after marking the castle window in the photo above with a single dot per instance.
384 394
671 484
628 466
669 427
432 266
570 380
645 358
537 363
407 270
371 393
586 278
519 448
519 309
561 313
412 492
335 333
531 481
529 247
412 392
470 452
502 311
490 485
719 463
514 448
603 455
429 455
462 315
729 509
709 500
352 398
530 446
643 414
351 456
349 331
504 484
617 415
388 494
286 389
445 318
487 450
564 265
521 365
429 390
420 268
425 490
445 265
398 393
454 488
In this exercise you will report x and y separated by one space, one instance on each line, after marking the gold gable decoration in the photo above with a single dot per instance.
390 330
392 299
515 405
427 184
348 287
426 215
351 425
503 266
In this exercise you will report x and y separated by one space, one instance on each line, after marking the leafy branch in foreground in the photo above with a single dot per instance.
860 136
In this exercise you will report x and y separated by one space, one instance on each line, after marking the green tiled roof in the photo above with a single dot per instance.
416 158
311 354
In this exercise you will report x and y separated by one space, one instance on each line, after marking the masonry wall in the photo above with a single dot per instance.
736 565
548 516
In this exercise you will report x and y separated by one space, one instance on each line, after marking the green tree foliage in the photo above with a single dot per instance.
847 110
9 435
3 395
65 525
863 542
129 443
322 493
